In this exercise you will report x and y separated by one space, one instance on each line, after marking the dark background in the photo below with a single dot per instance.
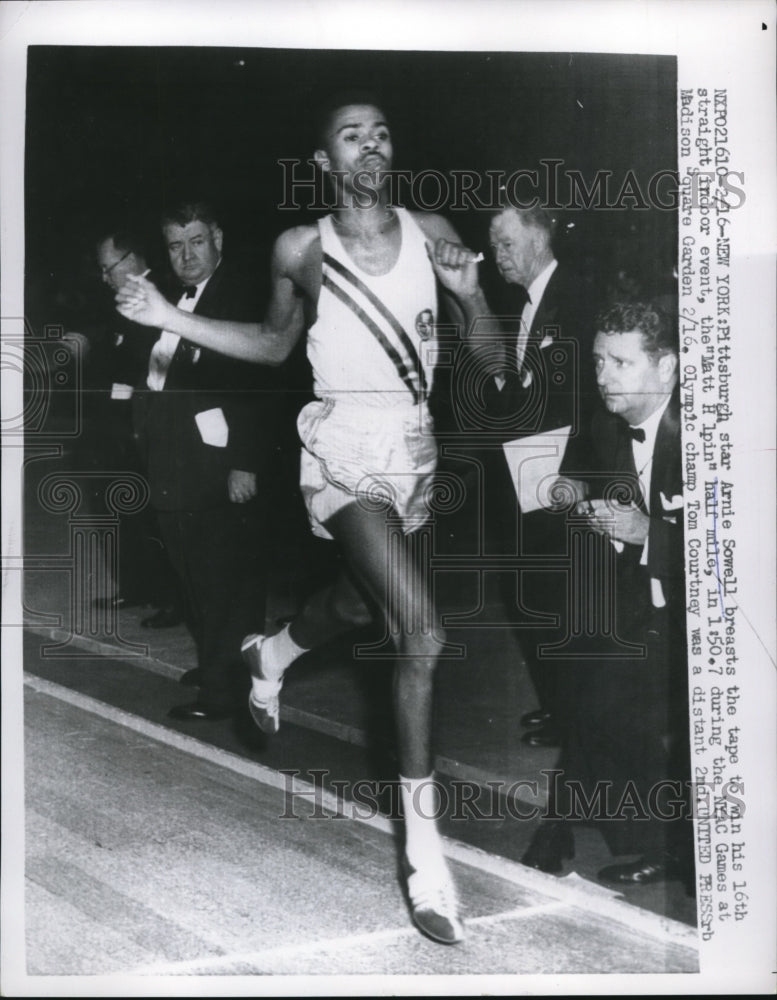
114 133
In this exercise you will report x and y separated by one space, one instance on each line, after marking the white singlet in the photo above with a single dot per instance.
369 435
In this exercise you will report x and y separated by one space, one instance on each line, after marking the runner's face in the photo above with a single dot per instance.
358 141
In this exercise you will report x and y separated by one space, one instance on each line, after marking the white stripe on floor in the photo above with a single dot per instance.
570 891
219 964
296 716
197 748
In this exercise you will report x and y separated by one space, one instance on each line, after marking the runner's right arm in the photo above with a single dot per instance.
269 342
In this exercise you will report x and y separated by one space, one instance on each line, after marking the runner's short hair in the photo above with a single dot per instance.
341 99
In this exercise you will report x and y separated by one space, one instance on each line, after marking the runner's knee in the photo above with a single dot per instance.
425 646
351 609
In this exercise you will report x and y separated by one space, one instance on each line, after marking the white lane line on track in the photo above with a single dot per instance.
270 956
296 716
197 748
518 913
570 890
219 964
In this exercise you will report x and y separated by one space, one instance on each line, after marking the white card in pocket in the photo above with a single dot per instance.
213 427
120 390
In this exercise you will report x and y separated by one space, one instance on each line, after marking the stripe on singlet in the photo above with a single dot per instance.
385 312
375 330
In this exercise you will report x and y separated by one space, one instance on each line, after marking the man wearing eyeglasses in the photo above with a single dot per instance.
119 255
110 258
116 354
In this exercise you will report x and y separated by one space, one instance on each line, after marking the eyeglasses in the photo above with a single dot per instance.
107 270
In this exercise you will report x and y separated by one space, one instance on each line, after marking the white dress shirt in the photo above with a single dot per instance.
643 462
535 292
163 350
643 450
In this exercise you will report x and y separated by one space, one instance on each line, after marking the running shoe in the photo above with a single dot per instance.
433 903
263 701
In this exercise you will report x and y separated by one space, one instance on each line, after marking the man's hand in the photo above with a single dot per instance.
565 492
623 522
242 486
456 267
140 301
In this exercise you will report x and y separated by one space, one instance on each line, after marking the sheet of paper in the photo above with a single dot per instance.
534 463
213 427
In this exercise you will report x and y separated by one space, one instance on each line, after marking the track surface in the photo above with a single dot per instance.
152 853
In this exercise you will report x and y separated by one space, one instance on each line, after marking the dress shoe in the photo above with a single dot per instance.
192 678
197 711
553 841
547 736
656 866
163 618
536 718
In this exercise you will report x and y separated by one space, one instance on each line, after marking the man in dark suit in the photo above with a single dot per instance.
627 726
206 427
543 387
116 354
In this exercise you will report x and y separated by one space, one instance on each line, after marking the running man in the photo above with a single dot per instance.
362 284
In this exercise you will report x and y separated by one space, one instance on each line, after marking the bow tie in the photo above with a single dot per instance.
637 433
189 291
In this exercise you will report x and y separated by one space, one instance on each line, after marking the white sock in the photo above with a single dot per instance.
420 804
279 652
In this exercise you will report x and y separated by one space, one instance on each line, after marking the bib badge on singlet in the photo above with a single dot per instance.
424 324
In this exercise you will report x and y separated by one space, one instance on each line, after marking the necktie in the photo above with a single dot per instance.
637 434
189 291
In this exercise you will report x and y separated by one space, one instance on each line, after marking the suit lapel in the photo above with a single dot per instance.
667 474
626 465
186 352
209 293
616 456
547 310
180 361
